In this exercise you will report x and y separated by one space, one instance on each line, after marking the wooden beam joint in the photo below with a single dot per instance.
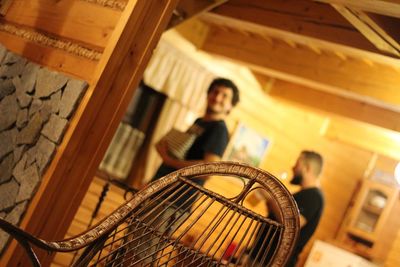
371 30
189 8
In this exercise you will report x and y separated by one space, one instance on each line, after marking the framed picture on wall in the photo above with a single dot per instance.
247 146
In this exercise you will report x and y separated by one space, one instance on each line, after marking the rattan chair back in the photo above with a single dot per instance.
176 222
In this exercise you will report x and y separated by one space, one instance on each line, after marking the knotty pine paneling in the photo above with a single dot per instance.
56 59
393 258
67 36
80 21
389 247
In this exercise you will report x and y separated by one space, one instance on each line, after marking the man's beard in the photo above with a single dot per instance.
212 111
297 179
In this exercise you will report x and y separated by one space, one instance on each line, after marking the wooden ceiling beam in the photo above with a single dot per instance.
193 30
368 137
372 83
302 18
336 104
383 7
371 30
314 44
189 8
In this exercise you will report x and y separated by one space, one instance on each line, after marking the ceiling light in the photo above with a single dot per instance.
397 173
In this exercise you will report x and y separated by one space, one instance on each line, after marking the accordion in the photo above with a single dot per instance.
180 142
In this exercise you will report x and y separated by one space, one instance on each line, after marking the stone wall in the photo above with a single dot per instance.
35 106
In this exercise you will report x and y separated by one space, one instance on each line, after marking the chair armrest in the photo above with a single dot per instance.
25 240
23 236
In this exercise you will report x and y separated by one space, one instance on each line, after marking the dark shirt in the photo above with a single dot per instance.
311 204
213 139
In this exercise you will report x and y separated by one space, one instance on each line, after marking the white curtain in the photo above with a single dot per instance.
185 83
122 151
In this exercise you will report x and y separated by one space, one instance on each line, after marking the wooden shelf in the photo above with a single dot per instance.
372 209
361 235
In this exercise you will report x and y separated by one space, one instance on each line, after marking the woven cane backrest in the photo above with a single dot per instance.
176 222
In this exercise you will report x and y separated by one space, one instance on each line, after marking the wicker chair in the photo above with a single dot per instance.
176 222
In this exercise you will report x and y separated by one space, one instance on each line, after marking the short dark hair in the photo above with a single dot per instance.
226 83
315 159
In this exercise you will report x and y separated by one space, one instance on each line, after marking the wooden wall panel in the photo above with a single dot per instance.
390 245
55 59
81 21
68 36
369 137
393 259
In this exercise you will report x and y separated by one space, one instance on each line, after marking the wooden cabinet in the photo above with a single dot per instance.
371 209
365 227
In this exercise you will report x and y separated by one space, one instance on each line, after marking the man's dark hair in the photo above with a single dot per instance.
315 159
226 83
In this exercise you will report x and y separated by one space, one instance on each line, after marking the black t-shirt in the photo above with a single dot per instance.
213 139
311 204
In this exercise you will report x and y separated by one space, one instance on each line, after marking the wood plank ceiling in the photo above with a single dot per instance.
340 56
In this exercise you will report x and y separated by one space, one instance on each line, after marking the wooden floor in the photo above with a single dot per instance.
114 198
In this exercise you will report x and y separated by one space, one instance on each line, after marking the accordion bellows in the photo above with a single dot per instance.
179 142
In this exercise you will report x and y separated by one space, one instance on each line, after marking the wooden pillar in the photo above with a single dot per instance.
115 78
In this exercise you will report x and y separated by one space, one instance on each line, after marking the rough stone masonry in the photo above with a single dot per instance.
36 105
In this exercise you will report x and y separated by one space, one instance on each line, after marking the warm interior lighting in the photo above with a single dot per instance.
397 173
284 175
